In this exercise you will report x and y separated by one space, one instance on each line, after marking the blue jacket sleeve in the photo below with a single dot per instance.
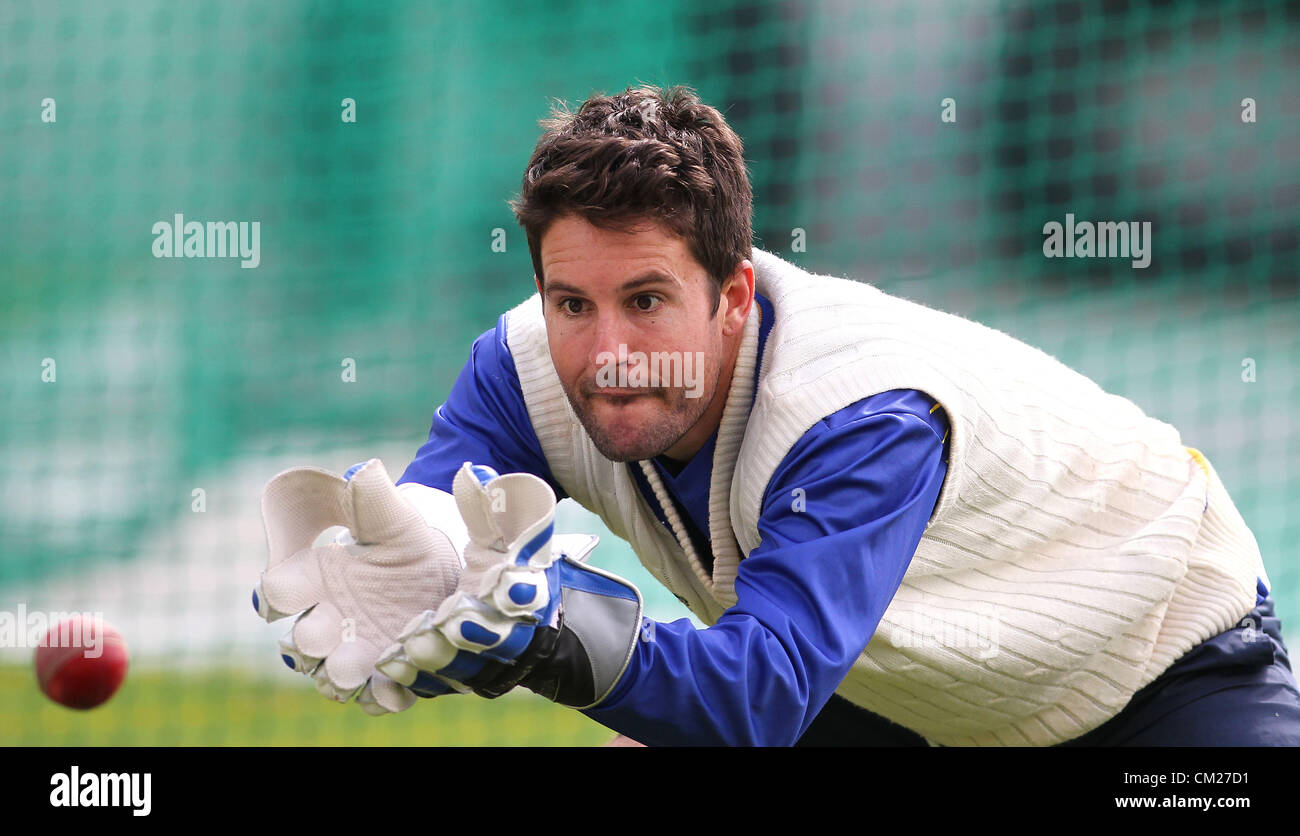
840 521
484 421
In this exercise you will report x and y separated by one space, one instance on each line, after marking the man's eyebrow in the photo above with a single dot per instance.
647 278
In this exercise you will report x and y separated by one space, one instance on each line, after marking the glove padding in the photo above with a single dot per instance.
527 610
357 592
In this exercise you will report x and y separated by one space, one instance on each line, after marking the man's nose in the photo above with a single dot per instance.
608 337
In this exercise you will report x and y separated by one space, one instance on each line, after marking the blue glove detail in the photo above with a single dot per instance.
581 578
523 594
522 604
427 685
534 545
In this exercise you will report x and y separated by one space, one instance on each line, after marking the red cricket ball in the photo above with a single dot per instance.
81 662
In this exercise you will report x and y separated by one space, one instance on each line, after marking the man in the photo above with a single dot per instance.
901 526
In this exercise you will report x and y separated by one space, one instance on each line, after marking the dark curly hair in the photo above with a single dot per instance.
644 154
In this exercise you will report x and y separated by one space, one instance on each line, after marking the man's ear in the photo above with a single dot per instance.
737 298
537 282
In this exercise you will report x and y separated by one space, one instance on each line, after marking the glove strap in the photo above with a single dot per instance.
579 661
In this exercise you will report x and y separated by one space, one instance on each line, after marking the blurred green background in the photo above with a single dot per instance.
130 480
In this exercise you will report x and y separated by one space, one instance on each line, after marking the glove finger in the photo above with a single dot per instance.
508 517
468 623
425 645
264 609
466 632
501 507
382 695
328 689
289 587
381 513
516 592
474 501
297 505
294 657
318 632
397 666
528 505
348 666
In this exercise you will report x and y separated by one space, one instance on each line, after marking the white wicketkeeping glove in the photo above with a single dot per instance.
402 557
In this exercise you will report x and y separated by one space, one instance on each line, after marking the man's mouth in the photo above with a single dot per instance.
617 393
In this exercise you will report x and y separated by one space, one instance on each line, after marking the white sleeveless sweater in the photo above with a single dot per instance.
1068 517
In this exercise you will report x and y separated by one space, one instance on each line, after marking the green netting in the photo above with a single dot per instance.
130 480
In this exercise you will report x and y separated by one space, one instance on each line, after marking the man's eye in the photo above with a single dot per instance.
646 302
571 306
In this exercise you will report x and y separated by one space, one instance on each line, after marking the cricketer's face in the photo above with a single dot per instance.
643 357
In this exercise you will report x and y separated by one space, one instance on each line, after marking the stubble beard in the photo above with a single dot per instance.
660 431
